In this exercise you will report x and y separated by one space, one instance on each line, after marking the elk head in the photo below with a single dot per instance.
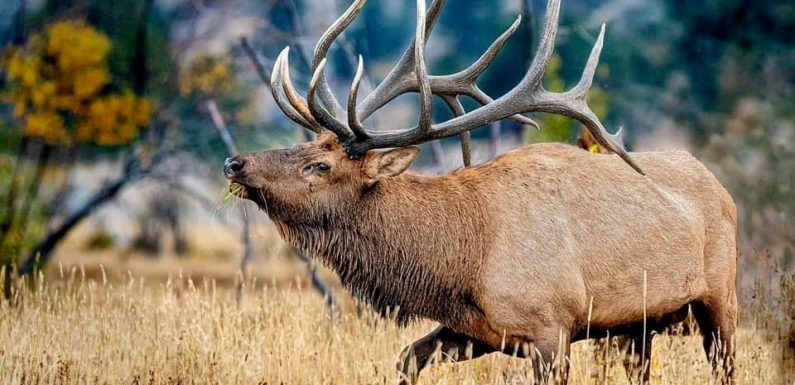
313 180
333 169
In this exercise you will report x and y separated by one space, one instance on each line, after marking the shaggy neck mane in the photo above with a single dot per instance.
411 247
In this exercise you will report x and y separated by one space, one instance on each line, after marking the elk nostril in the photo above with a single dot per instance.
233 165
236 165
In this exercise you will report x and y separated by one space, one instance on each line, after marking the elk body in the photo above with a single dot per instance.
516 251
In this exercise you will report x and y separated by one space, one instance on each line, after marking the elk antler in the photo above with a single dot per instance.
400 79
410 75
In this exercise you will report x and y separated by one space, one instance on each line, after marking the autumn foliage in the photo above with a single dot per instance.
59 85
207 76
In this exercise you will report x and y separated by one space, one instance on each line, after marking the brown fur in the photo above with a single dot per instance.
512 250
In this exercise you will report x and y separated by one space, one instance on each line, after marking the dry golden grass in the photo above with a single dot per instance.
77 330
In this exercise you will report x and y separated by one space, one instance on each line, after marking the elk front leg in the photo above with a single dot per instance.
550 357
453 346
637 356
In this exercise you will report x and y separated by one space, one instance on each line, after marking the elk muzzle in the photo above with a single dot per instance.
255 170
233 166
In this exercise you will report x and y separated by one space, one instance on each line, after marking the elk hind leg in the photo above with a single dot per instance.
717 320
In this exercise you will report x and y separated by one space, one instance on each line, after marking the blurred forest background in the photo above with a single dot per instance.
110 150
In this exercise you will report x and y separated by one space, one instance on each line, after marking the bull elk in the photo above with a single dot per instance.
514 252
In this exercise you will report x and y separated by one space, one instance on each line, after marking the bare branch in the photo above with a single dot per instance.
220 126
256 61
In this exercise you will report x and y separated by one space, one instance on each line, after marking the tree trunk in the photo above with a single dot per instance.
317 282
33 190
6 261
11 198
66 158
140 70
7 277
246 257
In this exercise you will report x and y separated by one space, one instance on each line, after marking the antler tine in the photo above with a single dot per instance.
276 90
298 103
475 69
344 135
588 72
321 50
426 107
322 47
580 93
535 74
432 16
353 121
466 140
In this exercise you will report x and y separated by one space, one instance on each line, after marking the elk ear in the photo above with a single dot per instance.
384 164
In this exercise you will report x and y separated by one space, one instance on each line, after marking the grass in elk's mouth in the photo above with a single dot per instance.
235 190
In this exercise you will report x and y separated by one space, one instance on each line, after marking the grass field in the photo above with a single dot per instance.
71 329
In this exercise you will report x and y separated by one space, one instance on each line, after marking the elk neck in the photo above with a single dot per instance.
412 245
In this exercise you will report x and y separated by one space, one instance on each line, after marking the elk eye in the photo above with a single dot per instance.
322 167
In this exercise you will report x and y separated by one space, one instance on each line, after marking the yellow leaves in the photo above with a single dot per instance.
143 112
87 83
115 119
19 109
46 125
42 92
66 102
23 68
76 45
208 76
57 86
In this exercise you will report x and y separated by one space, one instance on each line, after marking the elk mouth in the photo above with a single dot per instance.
244 191
238 189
